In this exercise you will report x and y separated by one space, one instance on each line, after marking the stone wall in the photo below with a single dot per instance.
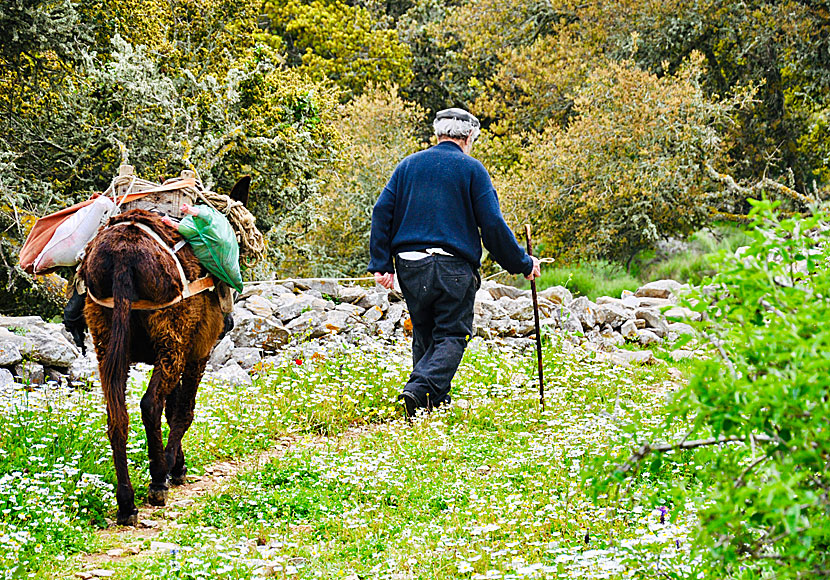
272 316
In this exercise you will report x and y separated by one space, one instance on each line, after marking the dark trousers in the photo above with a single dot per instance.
440 294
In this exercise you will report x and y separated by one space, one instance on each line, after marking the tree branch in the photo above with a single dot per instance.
647 448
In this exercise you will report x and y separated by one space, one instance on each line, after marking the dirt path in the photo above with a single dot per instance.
155 520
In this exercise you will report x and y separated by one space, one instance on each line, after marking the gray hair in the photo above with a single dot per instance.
456 124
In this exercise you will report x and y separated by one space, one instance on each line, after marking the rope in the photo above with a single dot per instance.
541 261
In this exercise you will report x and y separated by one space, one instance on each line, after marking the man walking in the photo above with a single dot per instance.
433 214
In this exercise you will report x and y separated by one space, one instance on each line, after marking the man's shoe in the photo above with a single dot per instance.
410 404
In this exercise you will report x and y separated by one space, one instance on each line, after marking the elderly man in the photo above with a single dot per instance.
432 216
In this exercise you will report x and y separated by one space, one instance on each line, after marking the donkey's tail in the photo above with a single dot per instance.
115 366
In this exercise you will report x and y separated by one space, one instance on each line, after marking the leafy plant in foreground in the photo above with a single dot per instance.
757 413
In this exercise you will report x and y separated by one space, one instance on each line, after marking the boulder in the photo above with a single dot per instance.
647 337
518 309
395 312
375 297
6 377
9 353
585 310
629 330
221 352
259 306
682 313
340 320
47 347
308 323
373 314
557 294
498 291
257 331
681 328
232 373
659 289
653 319
352 294
29 373
569 321
613 314
246 357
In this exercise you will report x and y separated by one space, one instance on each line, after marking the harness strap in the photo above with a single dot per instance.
188 288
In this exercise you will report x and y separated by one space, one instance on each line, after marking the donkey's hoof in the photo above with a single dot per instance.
128 520
157 497
178 479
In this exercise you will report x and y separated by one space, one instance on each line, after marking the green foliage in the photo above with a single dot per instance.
378 129
763 510
627 171
331 39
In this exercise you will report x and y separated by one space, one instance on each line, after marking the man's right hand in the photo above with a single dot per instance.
534 273
386 280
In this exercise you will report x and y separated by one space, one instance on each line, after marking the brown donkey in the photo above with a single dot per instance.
126 264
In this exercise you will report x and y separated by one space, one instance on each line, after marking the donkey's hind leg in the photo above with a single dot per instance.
179 412
166 373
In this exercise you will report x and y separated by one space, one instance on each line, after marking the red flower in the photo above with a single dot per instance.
299 361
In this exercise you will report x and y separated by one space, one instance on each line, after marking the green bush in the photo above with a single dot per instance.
762 497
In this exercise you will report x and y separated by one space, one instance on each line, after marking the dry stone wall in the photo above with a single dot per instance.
272 316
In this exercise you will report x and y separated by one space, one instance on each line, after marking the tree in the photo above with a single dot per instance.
331 39
754 415
627 170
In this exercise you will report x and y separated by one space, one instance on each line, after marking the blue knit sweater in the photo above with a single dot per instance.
441 198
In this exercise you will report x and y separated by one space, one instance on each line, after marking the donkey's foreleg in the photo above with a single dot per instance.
166 374
179 411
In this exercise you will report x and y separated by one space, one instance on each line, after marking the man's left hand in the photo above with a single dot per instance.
387 280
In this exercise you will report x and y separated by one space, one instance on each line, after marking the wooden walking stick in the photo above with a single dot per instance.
536 320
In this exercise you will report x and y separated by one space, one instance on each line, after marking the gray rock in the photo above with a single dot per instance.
84 370
484 296
6 377
340 320
611 337
259 306
221 352
352 294
373 314
658 303
557 294
681 354
55 376
653 319
518 309
309 322
385 328
45 347
569 321
585 310
29 373
375 297
232 373
629 330
246 357
352 309
323 286
646 337
490 310
9 353
631 301
257 331
498 291
659 289
681 328
612 314
682 313
395 312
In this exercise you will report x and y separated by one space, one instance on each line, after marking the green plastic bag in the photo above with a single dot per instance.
214 242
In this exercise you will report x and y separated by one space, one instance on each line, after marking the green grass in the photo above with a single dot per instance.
491 486
591 279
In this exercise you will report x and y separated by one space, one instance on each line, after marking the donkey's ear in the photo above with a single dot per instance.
241 189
